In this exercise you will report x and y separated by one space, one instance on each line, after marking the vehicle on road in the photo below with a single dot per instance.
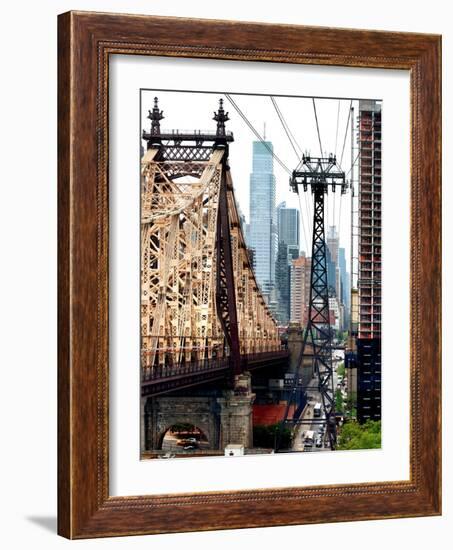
317 410
308 438
188 442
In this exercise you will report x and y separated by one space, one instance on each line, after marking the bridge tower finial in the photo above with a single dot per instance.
156 115
221 117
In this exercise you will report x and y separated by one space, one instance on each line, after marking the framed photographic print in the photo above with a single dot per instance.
249 264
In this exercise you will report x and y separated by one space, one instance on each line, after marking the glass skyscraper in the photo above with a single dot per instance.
288 225
344 277
263 224
288 250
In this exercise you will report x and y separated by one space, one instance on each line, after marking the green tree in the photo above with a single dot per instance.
266 436
339 401
341 369
360 436
351 403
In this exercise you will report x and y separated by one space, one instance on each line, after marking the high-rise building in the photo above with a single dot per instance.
333 243
369 262
288 225
334 313
300 289
247 234
293 252
263 224
283 283
288 250
345 292
354 320
331 271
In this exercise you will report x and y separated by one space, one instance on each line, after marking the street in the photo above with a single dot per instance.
307 420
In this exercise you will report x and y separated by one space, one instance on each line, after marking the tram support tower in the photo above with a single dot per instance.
317 174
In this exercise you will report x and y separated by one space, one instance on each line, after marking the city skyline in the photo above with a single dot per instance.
263 230
236 315
273 239
260 112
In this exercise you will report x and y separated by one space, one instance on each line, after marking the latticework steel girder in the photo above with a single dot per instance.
179 315
318 174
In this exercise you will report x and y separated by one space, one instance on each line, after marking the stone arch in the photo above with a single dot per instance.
161 434
165 411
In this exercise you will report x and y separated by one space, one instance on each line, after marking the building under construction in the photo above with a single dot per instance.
368 358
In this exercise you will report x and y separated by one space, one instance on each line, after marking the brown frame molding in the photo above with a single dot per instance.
85 41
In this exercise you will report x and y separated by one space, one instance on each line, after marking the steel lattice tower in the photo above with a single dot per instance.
317 173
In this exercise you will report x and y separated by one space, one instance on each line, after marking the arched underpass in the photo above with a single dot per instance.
183 437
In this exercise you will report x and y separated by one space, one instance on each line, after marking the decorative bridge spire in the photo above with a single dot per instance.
183 144
221 117
155 116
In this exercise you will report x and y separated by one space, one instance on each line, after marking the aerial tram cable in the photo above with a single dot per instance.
254 131
354 163
303 225
299 158
280 116
317 126
346 133
250 125
293 142
336 143
336 133
358 154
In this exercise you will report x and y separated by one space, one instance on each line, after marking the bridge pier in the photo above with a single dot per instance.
225 419
236 418
161 413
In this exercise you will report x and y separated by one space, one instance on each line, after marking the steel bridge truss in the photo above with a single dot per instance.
200 302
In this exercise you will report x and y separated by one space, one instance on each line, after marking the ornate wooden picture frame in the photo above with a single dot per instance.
85 507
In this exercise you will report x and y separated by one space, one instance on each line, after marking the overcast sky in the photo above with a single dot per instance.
193 110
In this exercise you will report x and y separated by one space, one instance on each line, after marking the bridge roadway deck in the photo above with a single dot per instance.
161 380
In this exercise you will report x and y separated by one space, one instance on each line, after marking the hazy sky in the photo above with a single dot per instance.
192 110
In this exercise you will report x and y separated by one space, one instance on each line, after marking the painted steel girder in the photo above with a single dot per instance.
180 317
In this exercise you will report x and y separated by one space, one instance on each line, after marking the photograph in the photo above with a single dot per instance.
260 275
223 311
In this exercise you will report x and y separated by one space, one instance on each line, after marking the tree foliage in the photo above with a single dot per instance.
266 436
360 436
339 401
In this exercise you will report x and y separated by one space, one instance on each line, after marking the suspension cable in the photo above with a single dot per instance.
305 235
280 116
317 125
336 143
294 144
250 125
336 133
346 133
